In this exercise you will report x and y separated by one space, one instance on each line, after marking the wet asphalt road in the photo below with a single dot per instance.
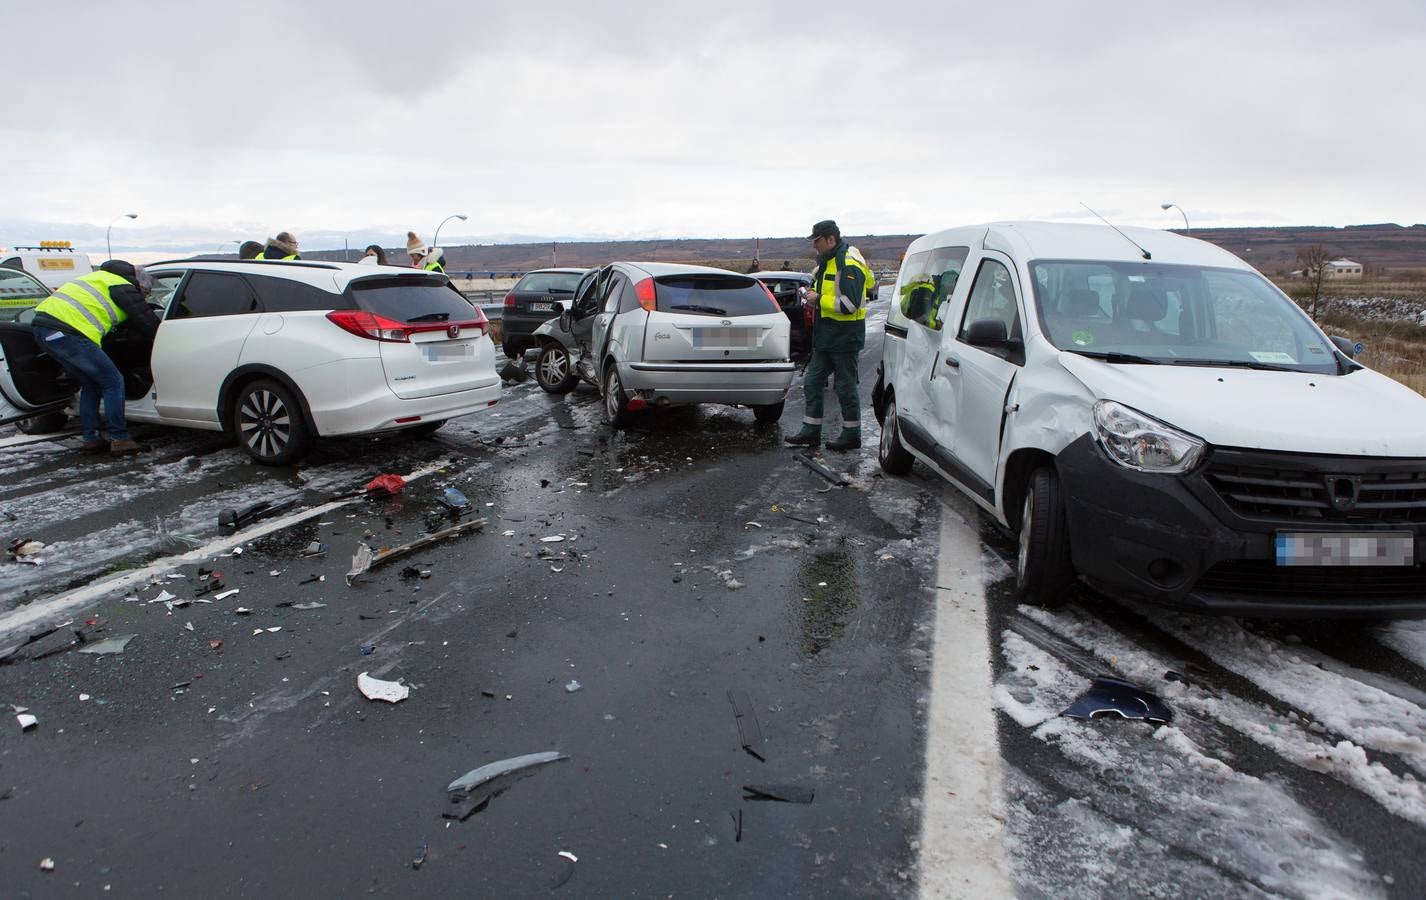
1291 768
257 768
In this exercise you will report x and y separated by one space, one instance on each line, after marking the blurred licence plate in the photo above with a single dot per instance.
1393 548
542 307
453 350
724 337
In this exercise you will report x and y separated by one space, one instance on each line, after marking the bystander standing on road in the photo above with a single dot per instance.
284 246
70 326
839 292
250 250
373 256
423 257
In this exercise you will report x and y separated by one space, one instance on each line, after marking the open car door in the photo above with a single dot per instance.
31 382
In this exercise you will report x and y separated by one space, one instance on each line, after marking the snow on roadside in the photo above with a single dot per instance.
1162 785
1406 638
1366 714
1288 737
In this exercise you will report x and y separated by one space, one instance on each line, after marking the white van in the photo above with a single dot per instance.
52 262
1149 413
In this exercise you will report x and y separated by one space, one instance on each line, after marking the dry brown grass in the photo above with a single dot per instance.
1395 349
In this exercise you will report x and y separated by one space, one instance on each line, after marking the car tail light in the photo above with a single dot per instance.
369 325
480 321
770 297
510 301
647 293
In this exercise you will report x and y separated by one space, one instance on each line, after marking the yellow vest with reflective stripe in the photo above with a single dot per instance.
435 266
827 291
84 304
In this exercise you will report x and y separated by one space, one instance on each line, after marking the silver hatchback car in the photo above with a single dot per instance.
652 335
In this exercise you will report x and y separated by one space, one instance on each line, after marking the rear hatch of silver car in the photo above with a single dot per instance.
432 339
713 318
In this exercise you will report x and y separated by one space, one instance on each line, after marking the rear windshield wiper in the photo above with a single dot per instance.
1112 356
430 317
711 310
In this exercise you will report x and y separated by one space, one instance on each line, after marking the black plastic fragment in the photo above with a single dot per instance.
783 793
750 734
836 478
1123 698
237 518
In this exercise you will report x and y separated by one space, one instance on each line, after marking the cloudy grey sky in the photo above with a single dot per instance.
636 119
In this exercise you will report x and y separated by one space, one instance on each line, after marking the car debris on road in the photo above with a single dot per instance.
365 559
376 689
1123 698
472 791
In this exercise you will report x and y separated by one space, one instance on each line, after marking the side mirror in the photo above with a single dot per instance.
988 333
1348 348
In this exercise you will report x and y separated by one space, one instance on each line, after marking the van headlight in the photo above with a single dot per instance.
1139 442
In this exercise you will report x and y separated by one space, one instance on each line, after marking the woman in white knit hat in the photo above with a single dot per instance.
423 257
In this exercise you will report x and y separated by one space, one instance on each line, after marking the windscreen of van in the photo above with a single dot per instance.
1177 315
406 299
18 291
713 295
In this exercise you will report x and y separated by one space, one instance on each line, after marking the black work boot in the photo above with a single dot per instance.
810 437
849 439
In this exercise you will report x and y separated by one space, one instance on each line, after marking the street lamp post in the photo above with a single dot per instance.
436 241
1168 206
107 246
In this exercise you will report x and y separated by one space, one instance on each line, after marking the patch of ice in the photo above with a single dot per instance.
1170 792
1365 713
1288 738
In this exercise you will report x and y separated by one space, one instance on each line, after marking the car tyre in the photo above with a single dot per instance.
268 423
48 423
616 405
768 413
894 458
1043 571
554 370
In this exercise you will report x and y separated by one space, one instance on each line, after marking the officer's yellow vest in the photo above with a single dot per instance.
84 304
434 265
827 291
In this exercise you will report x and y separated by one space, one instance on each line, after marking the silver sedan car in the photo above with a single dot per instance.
653 335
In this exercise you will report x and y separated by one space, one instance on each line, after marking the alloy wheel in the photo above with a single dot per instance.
264 423
554 366
1022 556
612 398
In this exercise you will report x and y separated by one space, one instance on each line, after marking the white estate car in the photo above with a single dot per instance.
654 335
278 353
1150 413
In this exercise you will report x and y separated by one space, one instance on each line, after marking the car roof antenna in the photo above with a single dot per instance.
1146 254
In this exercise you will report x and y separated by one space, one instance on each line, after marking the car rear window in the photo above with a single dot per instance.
548 283
713 295
412 299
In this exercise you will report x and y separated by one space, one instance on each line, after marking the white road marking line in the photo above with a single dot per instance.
54 607
962 805
22 439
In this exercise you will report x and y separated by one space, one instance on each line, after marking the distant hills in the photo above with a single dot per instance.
1271 250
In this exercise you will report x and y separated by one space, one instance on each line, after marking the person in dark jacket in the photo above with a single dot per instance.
284 246
250 250
70 326
838 297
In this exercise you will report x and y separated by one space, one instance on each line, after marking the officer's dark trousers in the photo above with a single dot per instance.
843 368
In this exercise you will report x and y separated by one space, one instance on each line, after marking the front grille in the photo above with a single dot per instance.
1267 581
1323 490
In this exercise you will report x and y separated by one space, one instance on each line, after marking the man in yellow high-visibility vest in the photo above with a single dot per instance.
70 326
839 297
